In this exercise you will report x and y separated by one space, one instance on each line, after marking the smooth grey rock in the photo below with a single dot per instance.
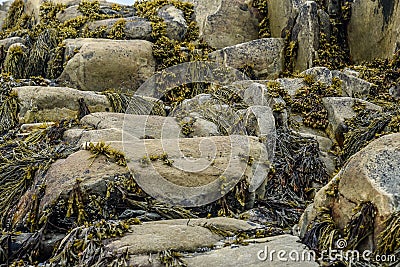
42 104
102 64
68 13
265 56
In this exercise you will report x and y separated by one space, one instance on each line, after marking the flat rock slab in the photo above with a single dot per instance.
196 171
102 64
179 235
42 104
257 254
265 56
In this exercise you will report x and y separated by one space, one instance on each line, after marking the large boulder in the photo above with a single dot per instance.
225 23
374 29
259 254
102 64
371 175
41 104
264 56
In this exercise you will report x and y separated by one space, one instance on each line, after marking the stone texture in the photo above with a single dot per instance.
225 23
7 42
81 136
306 32
94 69
135 27
250 255
175 20
374 29
353 86
372 175
41 104
200 169
341 108
265 56
68 13
281 15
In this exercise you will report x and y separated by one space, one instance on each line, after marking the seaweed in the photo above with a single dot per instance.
101 148
264 27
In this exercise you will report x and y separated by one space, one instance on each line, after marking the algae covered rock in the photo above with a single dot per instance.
369 176
264 56
102 64
41 104
225 23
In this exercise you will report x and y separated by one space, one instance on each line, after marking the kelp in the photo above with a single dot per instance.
102 148
171 258
264 27
16 60
9 108
389 238
83 246
323 233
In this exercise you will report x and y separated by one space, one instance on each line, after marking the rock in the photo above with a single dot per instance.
134 27
196 171
258 254
93 174
306 32
264 56
225 23
93 69
147 127
370 175
3 16
41 104
320 74
7 42
176 235
198 127
374 29
282 14
31 127
339 109
353 86
80 136
175 20
68 13
291 85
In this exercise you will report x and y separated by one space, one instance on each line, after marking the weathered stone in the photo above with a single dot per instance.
306 32
68 13
81 136
144 126
199 169
3 16
264 56
291 85
281 15
225 23
41 104
257 254
374 29
175 21
371 175
31 127
353 86
94 69
320 74
6 43
135 27
339 109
